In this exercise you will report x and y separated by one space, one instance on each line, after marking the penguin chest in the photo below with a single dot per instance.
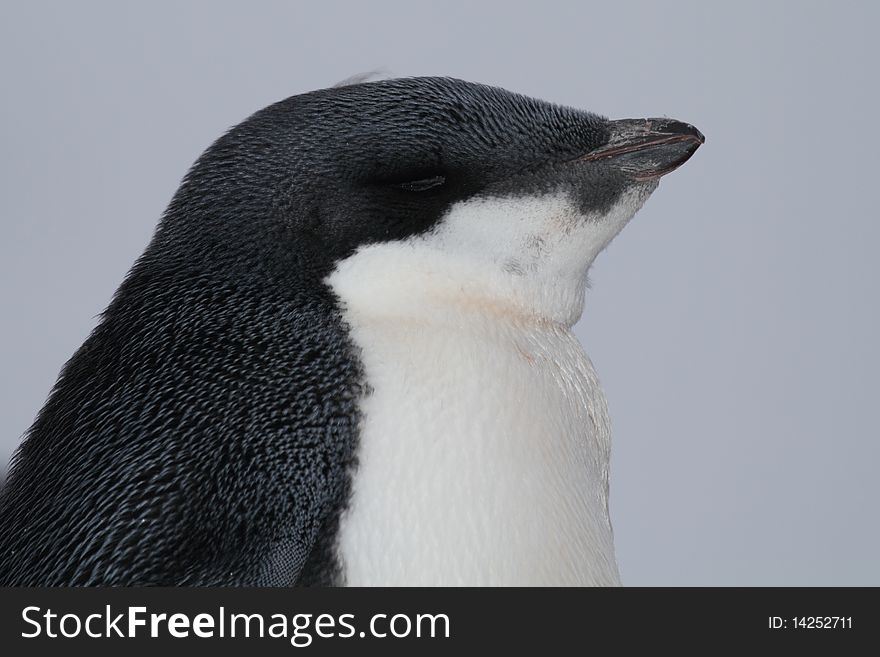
483 457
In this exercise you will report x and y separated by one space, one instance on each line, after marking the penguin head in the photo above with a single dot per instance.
424 188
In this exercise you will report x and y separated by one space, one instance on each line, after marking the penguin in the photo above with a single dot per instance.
346 356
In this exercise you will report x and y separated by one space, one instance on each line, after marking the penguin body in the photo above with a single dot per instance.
346 356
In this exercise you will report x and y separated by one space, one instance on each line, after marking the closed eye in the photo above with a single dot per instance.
422 184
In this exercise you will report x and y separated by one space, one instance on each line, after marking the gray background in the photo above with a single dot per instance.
733 323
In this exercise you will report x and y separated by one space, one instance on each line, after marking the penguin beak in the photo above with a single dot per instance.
648 148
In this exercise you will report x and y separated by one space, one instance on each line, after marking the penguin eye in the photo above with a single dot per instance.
422 184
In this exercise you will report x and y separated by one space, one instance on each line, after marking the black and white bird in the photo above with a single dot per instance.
346 356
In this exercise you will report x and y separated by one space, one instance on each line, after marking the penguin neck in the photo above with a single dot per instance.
524 258
414 282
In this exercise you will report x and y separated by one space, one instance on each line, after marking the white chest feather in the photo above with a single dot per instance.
483 459
483 454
